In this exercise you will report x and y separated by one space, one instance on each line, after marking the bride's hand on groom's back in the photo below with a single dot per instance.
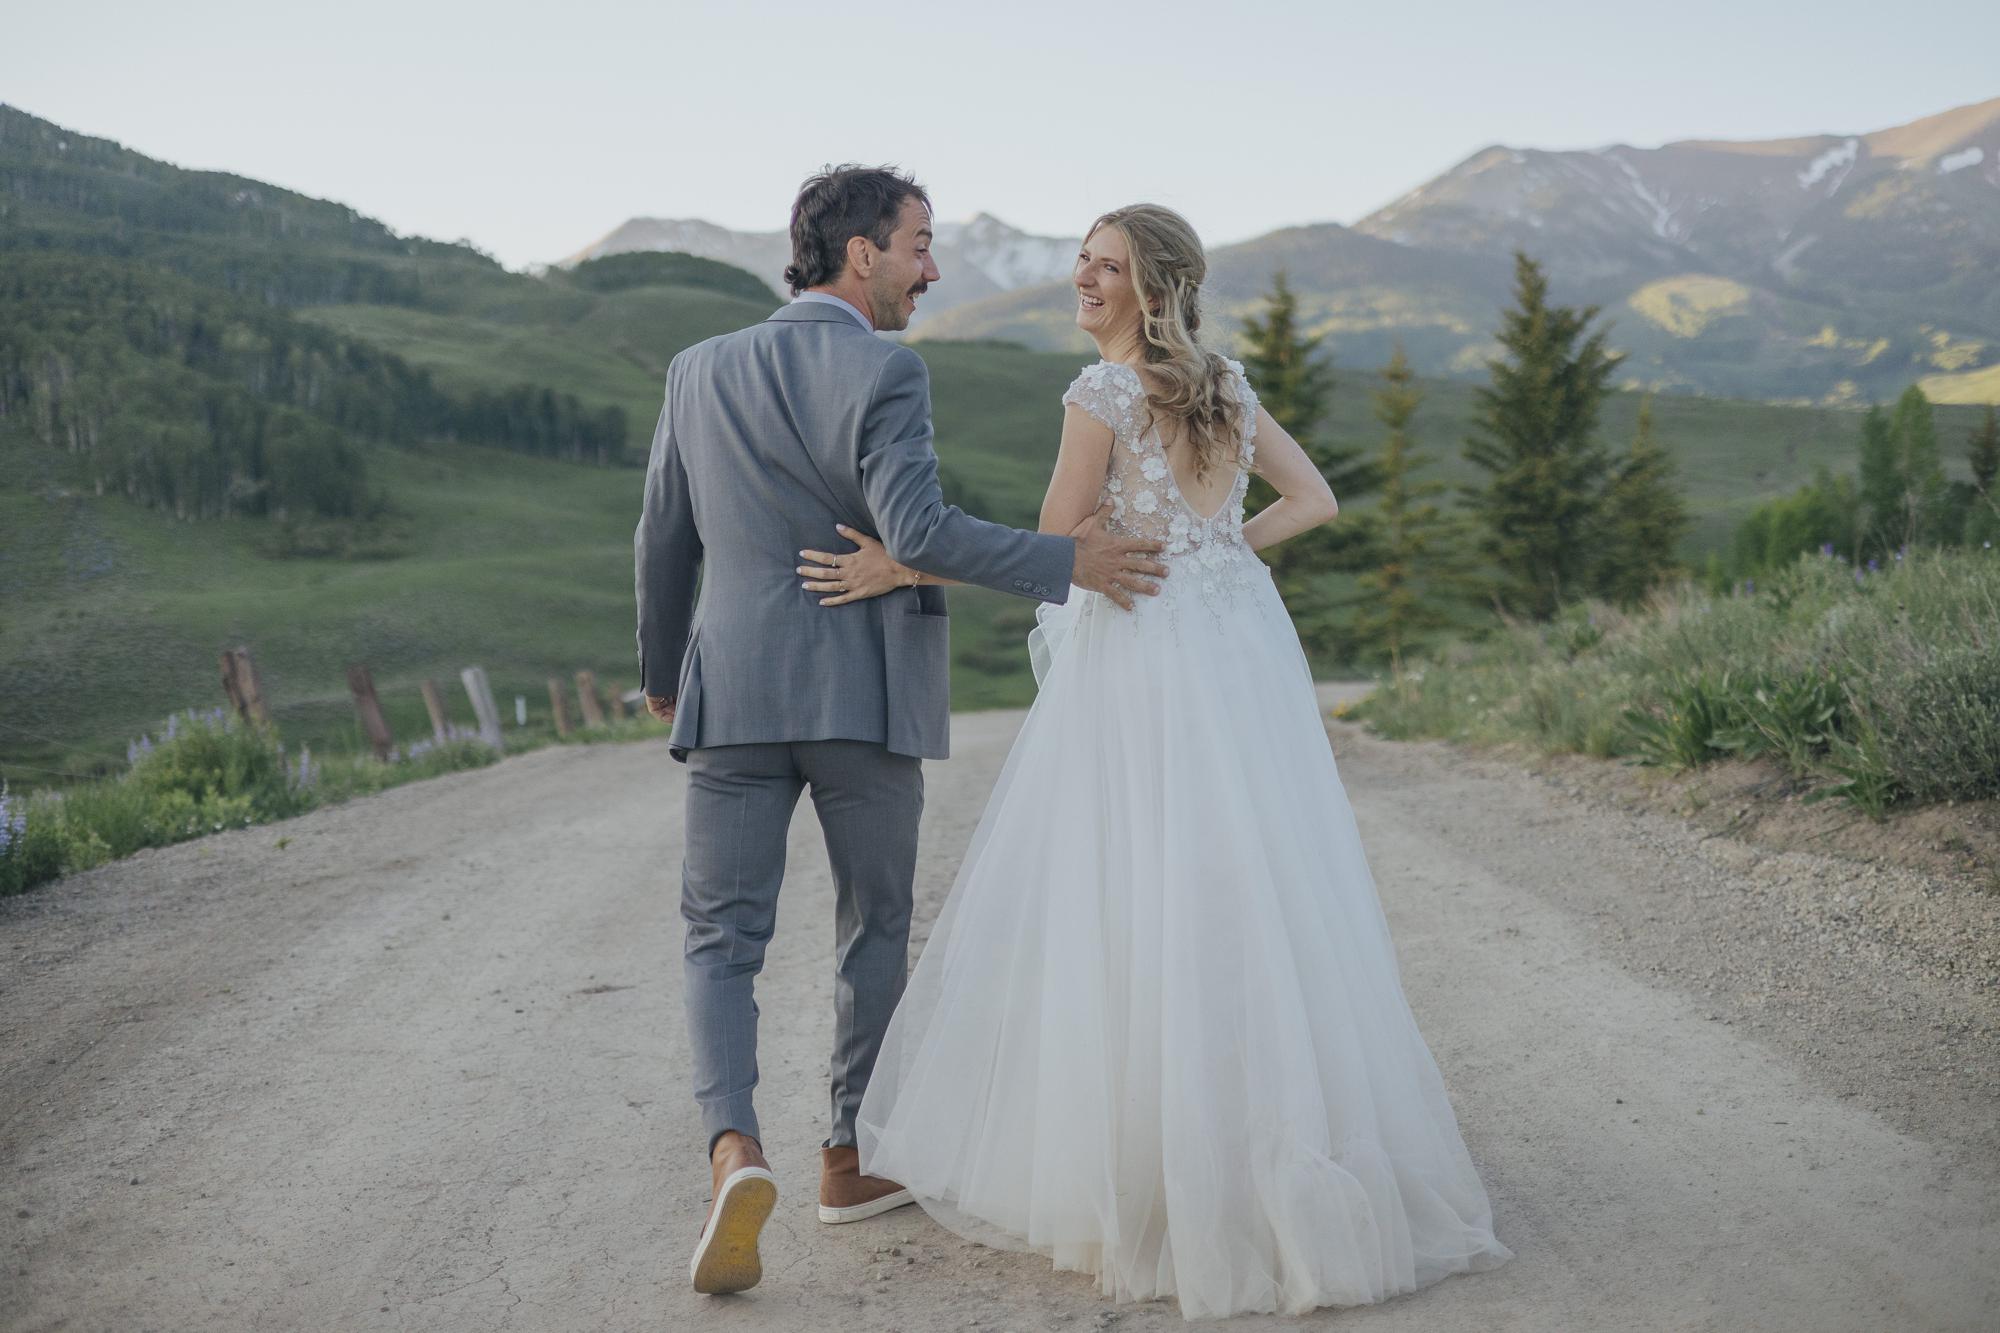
1111 564
867 571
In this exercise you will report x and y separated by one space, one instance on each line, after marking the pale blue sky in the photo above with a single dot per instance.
532 129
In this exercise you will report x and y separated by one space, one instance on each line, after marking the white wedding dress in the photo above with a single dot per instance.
1158 1032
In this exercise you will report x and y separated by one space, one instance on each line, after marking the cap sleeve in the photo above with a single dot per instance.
1106 394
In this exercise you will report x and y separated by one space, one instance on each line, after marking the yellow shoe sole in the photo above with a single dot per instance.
726 1259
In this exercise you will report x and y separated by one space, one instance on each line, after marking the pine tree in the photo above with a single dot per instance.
1296 386
1417 567
1535 425
1645 518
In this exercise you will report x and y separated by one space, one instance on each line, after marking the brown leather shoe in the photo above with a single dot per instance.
725 1258
845 1195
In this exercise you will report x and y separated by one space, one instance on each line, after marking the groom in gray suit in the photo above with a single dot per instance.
768 438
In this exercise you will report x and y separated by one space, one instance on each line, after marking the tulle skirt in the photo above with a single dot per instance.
1158 1032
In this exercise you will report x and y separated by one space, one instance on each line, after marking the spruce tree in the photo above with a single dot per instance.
1417 568
1296 387
1535 426
1914 433
1645 518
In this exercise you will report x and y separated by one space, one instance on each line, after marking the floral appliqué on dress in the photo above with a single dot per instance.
1207 557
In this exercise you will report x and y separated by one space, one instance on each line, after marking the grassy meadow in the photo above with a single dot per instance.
114 614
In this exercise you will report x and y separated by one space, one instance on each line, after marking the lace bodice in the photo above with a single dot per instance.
1204 554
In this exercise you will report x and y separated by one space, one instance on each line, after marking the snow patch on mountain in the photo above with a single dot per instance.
1662 218
1012 258
1964 157
1839 159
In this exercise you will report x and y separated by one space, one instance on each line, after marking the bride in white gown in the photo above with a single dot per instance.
1158 1032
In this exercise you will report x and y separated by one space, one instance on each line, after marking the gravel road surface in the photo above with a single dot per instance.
417 1062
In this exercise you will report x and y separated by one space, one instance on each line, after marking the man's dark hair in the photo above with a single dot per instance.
837 205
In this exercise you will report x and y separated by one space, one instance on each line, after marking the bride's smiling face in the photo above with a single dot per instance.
1107 306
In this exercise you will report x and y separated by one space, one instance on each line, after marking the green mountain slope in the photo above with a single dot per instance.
413 357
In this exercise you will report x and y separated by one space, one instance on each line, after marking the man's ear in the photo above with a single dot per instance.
861 254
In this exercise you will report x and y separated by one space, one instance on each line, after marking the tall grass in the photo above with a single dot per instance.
207 772
1881 686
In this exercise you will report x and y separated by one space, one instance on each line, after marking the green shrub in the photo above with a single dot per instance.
1793 719
31 845
212 770
103 820
1937 722
1696 719
1881 682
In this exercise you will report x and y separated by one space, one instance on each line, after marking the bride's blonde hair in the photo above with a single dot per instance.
1167 268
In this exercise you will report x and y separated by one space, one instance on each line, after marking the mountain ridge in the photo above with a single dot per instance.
980 257
1829 268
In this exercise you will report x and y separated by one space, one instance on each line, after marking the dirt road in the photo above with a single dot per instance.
417 1062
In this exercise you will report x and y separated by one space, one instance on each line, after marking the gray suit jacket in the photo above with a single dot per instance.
768 437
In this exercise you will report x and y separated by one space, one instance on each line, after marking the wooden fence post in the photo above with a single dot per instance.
618 710
243 687
559 706
230 688
370 710
586 694
481 693
435 703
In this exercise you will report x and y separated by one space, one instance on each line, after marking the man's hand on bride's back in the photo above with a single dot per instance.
867 571
1113 565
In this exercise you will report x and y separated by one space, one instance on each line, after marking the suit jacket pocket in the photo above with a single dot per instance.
916 650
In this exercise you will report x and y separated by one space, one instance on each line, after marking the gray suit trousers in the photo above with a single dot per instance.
740 800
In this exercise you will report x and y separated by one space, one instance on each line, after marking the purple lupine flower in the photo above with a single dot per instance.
1826 548
1749 585
138 750
1874 567
308 773
454 732
173 725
